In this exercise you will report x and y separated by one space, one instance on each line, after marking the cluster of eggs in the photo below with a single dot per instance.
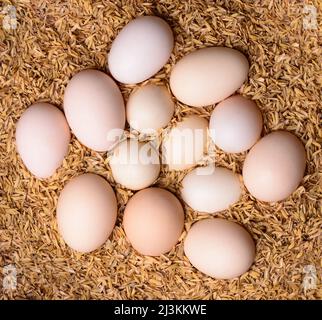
154 218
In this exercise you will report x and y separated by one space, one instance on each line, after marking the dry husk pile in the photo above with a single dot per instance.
54 40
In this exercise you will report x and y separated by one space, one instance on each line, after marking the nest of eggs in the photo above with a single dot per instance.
284 82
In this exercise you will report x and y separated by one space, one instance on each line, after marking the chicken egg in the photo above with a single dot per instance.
86 212
209 75
219 248
153 221
42 138
94 109
149 108
235 124
140 50
210 189
134 164
186 143
275 166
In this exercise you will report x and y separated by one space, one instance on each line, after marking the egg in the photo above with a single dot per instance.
209 75
94 109
86 212
149 108
185 145
42 138
275 166
153 221
210 189
219 248
140 50
235 124
134 164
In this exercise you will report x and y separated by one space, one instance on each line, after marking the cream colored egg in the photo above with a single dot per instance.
149 108
219 248
134 164
86 212
42 138
140 50
236 124
210 189
153 221
275 166
186 143
209 75
94 109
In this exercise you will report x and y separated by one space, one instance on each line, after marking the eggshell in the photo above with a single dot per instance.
94 109
153 221
236 124
140 50
186 143
275 166
86 212
135 164
219 248
210 189
209 75
42 138
149 108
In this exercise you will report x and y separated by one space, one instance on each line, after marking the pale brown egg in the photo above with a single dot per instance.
86 212
149 108
209 75
186 143
275 166
219 248
153 221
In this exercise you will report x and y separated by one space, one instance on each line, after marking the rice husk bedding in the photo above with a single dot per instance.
54 40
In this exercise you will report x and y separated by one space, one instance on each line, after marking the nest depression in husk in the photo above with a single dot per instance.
55 39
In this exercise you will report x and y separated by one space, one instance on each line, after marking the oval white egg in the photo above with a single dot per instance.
140 50
210 189
94 109
134 164
235 124
42 138
219 248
